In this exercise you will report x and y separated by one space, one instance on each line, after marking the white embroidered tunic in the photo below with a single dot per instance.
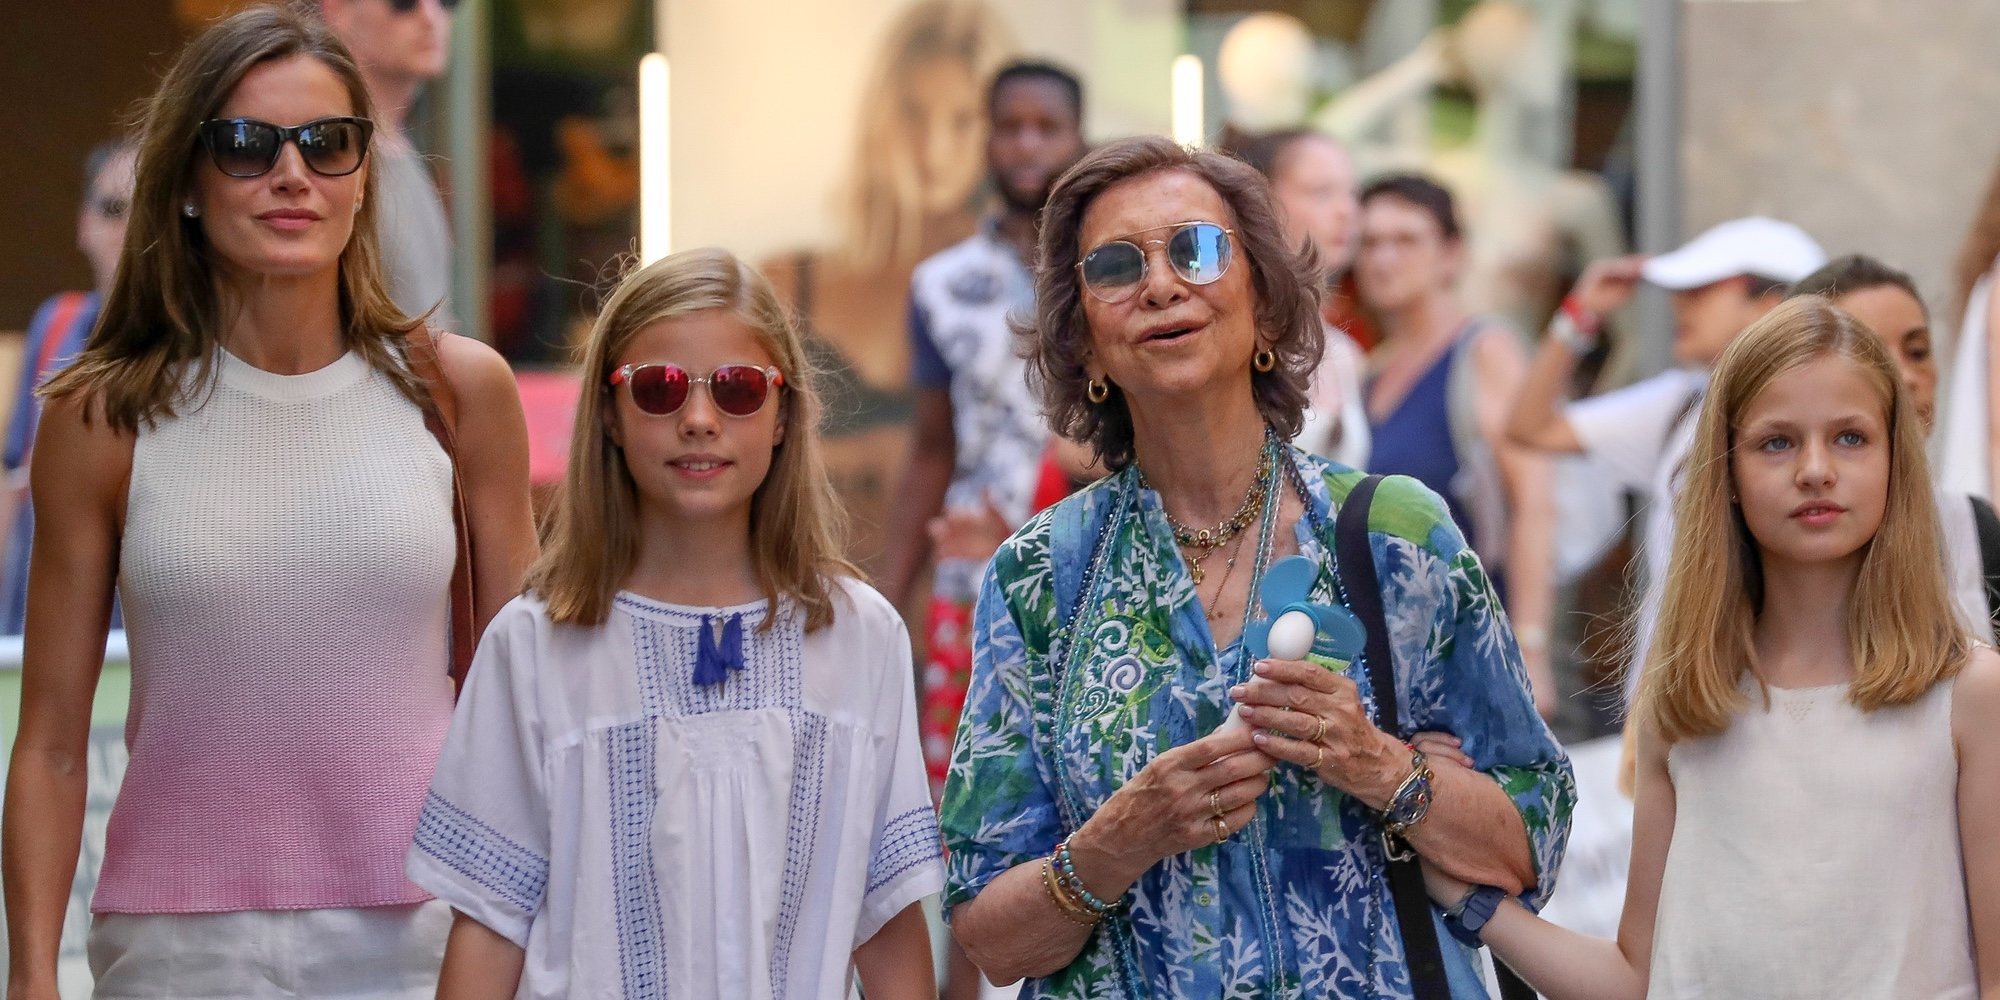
641 835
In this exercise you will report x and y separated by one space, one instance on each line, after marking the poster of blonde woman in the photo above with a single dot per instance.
912 187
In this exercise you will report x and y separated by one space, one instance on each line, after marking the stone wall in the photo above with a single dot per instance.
1873 124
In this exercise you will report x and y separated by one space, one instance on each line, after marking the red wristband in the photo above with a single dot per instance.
1585 320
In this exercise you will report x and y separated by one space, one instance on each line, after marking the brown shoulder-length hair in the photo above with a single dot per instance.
1903 632
163 311
591 540
1285 280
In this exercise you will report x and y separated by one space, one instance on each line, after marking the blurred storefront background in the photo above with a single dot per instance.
839 142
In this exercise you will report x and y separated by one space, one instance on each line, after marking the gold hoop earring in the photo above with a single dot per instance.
1264 361
1098 391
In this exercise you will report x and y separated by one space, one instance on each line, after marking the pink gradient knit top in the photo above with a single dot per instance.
285 573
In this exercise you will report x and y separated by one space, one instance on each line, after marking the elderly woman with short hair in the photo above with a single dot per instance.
1108 836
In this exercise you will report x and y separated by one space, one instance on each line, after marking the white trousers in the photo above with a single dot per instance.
377 952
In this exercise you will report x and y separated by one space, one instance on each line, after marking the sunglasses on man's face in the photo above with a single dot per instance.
406 6
661 390
246 147
1199 252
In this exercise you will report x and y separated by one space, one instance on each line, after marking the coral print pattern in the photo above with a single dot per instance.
1297 904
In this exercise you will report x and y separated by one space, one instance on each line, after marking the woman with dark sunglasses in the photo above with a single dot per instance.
1107 834
242 450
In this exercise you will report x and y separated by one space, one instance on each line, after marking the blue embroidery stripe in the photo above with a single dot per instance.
635 889
801 832
907 841
477 851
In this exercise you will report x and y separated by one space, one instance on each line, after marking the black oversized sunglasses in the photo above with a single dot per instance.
246 147
406 6
1199 252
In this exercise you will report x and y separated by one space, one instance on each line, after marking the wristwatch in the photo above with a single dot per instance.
1412 801
1466 920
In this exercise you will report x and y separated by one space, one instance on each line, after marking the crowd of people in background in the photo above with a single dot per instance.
389 737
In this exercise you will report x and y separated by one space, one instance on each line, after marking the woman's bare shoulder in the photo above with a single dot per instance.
480 378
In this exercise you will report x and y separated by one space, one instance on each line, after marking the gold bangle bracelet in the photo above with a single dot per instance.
1057 896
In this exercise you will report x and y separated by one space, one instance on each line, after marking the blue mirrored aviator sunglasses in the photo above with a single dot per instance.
1199 252
246 147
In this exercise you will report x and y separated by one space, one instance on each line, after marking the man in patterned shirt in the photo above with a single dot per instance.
979 436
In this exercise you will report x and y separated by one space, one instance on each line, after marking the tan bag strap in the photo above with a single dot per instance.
441 419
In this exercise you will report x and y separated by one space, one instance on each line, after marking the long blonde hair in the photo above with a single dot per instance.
163 311
881 209
591 541
1903 633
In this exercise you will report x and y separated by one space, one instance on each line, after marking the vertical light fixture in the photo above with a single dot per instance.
1187 111
656 216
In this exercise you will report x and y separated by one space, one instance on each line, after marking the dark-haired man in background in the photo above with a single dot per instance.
979 439
400 46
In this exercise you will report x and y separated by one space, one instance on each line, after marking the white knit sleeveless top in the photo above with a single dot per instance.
285 577
1816 854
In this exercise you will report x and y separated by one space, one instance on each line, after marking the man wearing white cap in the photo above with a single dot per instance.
1721 281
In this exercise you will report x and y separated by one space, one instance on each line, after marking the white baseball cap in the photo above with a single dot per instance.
1756 245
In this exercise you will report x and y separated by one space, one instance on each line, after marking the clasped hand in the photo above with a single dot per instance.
1195 794
1205 791
1308 715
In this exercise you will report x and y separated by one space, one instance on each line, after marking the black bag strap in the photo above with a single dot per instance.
1987 523
1356 563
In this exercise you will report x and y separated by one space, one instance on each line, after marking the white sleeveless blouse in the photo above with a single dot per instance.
1816 854
285 574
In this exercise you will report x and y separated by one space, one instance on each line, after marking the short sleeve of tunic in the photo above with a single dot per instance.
1461 670
999 810
928 369
482 840
903 862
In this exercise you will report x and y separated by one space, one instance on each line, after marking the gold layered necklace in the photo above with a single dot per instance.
1202 543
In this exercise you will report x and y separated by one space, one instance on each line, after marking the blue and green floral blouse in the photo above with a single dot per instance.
1297 904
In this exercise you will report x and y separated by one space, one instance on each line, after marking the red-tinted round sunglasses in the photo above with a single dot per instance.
660 389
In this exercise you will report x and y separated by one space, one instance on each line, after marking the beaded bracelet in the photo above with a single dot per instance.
1060 898
1073 883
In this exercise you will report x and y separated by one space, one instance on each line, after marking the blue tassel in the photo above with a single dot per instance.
732 643
714 658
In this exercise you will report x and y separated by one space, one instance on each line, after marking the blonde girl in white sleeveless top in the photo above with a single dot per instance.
241 451
1818 808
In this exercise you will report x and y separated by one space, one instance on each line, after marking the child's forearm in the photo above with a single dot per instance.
895 964
1560 963
478 963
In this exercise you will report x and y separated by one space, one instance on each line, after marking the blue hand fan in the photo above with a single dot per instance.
1294 625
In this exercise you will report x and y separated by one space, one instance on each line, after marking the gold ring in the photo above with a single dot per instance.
1221 830
1215 803
1319 754
1321 731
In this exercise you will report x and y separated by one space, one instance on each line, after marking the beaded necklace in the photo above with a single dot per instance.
1203 542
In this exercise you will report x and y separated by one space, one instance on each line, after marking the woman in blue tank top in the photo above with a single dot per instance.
1438 395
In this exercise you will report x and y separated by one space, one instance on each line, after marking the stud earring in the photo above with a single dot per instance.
188 209
1098 391
1264 361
